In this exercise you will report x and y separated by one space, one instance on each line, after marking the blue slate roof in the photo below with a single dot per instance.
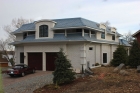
124 42
75 22
64 23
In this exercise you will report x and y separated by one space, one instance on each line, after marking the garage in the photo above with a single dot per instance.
50 59
35 60
4 64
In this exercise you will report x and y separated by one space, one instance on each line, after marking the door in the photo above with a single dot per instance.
50 61
21 57
35 60
104 57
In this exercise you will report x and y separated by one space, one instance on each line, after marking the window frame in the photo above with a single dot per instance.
43 31
113 37
103 34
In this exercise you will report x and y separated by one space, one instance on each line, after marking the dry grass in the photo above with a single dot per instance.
105 81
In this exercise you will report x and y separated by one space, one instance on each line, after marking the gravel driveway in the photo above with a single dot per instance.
28 83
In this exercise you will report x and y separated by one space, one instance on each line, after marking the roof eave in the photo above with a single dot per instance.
135 33
13 33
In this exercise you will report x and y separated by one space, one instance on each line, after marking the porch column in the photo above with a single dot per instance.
83 57
65 33
83 32
90 33
44 61
25 58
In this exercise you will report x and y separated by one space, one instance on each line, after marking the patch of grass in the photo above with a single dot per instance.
1 83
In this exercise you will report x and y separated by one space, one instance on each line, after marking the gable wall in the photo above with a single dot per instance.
50 26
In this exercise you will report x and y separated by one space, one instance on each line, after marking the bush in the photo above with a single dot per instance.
119 56
97 64
134 57
62 73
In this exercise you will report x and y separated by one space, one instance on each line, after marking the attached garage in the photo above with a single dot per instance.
3 64
35 60
50 60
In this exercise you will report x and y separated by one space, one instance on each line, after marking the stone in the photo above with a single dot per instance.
88 71
123 72
138 69
118 68
121 66
91 76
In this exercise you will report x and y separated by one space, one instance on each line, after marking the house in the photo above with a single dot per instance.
137 35
3 61
84 42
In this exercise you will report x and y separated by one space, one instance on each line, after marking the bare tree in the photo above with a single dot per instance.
128 37
15 24
107 23
7 48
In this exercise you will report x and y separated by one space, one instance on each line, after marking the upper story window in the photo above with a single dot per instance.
113 37
103 34
43 31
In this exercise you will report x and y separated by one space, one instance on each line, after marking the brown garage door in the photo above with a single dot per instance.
35 60
50 59
3 64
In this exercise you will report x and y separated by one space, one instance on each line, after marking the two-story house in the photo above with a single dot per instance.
83 41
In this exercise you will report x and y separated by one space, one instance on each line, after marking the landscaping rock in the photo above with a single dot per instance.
121 66
88 71
123 72
118 68
91 76
138 69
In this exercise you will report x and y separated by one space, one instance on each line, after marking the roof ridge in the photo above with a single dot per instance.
65 18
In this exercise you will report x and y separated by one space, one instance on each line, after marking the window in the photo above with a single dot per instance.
43 31
104 57
31 33
103 35
113 37
90 48
24 35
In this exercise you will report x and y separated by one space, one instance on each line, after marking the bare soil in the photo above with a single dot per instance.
103 81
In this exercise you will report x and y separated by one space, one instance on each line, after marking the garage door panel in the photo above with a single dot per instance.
50 61
35 60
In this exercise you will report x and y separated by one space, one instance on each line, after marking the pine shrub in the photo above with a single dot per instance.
119 56
134 57
63 72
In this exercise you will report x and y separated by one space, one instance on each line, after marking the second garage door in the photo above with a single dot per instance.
35 60
50 59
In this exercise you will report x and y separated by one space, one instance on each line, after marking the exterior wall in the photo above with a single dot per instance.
19 37
74 53
42 48
18 50
106 49
91 54
50 32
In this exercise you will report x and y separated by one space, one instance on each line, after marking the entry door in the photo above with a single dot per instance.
50 61
104 57
21 57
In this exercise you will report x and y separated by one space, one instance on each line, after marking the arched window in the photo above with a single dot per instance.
43 31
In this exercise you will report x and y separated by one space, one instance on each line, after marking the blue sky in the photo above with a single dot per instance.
122 14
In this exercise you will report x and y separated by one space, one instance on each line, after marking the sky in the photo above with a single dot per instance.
121 14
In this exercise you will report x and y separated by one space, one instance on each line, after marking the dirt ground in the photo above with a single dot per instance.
104 80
